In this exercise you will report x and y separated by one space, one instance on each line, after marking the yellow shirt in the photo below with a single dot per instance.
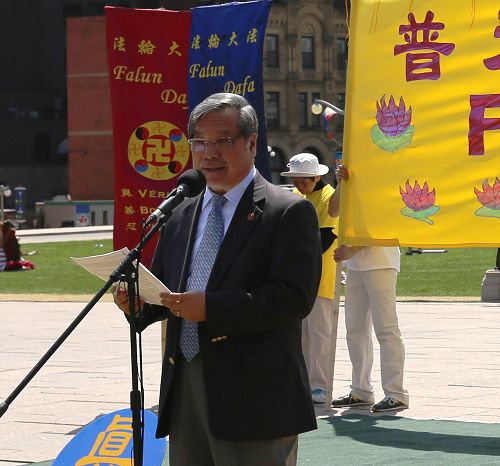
319 200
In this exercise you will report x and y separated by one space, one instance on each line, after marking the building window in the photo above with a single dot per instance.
302 109
341 53
308 53
277 165
272 51
339 123
41 147
315 119
339 4
273 109
96 8
341 100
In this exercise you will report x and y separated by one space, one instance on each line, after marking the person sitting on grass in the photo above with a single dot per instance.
9 245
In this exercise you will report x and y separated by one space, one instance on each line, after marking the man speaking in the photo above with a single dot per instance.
244 258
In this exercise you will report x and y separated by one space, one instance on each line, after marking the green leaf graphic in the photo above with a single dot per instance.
421 214
488 212
392 144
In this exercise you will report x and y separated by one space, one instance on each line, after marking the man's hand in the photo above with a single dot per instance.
189 305
120 297
344 252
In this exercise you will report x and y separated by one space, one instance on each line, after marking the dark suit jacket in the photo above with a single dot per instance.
263 283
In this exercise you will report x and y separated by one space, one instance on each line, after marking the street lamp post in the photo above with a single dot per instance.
4 192
317 108
318 104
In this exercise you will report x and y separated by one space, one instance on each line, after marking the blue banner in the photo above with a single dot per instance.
225 55
108 440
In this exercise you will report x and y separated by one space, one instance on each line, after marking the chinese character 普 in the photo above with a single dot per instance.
422 65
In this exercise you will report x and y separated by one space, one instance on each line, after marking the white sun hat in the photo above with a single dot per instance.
305 164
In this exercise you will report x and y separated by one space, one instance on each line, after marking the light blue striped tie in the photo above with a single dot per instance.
200 271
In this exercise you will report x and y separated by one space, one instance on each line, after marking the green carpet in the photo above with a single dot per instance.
388 440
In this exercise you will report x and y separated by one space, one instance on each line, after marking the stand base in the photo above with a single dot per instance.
490 289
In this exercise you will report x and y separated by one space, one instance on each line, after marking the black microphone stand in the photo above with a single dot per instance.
127 271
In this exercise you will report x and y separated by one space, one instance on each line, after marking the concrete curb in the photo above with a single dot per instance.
63 231
42 297
53 298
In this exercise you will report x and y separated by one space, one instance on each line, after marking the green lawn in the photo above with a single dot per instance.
55 272
458 272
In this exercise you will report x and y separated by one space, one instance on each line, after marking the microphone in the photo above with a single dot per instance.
191 183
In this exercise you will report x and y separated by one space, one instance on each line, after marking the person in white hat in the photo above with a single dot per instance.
306 172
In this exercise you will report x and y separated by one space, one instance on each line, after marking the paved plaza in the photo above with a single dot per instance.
452 368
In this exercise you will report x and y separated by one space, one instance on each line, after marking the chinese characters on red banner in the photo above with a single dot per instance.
154 57
129 208
146 50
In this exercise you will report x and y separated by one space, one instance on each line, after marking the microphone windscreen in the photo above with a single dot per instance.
194 180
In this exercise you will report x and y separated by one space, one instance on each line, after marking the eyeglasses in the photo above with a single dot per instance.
221 144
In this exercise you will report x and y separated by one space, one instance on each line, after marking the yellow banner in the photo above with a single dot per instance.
422 125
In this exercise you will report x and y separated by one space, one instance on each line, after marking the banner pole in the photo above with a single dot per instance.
336 306
333 340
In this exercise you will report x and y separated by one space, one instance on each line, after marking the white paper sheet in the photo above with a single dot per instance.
104 265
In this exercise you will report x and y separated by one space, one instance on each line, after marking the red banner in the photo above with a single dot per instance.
146 50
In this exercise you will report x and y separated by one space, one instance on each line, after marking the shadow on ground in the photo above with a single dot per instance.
469 438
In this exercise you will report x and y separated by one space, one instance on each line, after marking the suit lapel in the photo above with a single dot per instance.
246 217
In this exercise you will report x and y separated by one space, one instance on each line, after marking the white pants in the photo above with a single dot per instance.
316 342
370 298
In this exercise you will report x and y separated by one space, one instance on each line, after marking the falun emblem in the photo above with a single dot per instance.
158 150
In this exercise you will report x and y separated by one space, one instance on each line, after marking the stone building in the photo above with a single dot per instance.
54 104
305 58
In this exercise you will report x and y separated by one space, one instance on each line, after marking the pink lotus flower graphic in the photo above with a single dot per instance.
489 197
419 202
393 130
